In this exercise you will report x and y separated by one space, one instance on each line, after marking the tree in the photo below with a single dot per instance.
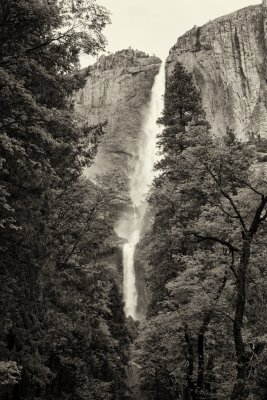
58 320
209 207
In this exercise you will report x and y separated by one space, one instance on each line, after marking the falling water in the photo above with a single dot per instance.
141 179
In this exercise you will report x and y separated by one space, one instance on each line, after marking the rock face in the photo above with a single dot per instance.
118 90
228 59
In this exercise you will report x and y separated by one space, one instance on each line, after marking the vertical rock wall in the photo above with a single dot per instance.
227 57
118 90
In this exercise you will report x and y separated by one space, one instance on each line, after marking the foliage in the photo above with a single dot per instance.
9 373
205 255
61 306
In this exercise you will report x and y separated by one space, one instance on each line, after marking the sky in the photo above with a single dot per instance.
153 26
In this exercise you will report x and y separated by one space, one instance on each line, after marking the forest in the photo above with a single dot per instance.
205 332
63 331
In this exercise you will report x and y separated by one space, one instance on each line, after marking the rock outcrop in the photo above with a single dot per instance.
118 90
228 60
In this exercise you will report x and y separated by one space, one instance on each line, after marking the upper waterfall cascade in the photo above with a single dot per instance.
141 178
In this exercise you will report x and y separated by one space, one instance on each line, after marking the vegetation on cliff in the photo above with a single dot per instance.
62 328
205 336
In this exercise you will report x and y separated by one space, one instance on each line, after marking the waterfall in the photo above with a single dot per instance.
141 178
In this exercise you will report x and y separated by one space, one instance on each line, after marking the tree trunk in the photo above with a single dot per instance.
157 385
200 348
239 390
201 338
190 368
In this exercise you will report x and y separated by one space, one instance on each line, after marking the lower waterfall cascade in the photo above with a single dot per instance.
141 178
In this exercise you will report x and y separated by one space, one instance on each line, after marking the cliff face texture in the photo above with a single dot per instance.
118 90
228 59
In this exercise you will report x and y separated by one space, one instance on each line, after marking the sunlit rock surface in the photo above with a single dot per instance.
118 90
227 57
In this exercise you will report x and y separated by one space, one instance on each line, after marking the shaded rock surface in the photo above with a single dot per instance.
227 57
118 90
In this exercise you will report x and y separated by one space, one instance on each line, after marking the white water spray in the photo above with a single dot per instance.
140 181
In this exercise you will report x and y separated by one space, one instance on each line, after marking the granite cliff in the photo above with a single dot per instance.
227 57
118 90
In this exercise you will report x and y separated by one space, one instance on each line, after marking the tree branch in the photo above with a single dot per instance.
217 240
225 212
247 185
232 265
41 45
228 197
258 217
